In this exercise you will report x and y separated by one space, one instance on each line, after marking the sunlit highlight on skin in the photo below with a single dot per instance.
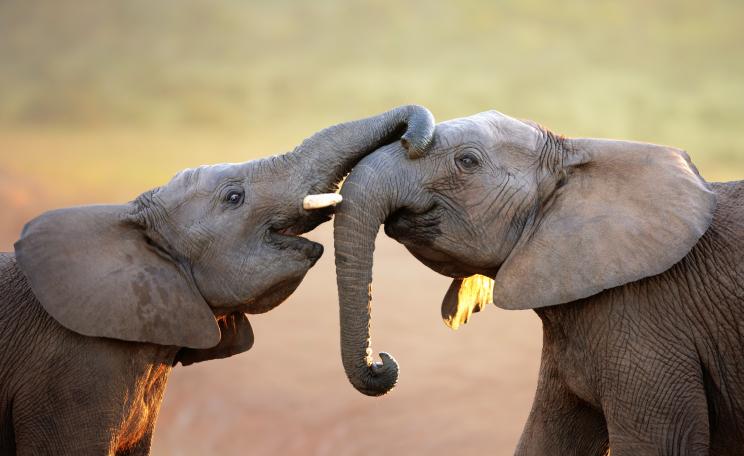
475 292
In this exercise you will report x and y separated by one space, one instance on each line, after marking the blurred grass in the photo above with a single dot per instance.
104 99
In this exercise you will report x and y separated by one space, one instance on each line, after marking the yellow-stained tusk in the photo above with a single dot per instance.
321 200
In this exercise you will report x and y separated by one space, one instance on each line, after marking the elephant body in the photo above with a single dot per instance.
633 262
65 393
98 302
651 367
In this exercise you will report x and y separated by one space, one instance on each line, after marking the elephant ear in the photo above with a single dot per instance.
625 211
236 337
464 298
95 271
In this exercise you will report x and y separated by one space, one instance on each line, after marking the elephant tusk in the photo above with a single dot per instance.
321 200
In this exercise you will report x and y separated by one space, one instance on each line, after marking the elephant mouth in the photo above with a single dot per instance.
418 232
287 237
414 228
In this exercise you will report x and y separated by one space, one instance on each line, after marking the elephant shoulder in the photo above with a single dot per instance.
20 311
14 287
719 254
20 315
730 199
728 219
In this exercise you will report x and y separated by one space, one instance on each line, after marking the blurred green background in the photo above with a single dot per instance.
101 100
272 72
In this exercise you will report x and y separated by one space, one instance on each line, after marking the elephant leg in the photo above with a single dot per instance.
666 413
71 430
68 415
560 423
55 436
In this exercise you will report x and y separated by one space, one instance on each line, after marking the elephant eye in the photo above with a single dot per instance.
234 197
467 161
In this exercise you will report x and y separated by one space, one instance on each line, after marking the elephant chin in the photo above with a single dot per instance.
274 296
446 265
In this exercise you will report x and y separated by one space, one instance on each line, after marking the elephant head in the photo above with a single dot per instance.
515 214
181 264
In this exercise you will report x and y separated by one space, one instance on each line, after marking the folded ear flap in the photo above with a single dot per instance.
237 337
95 272
626 211
464 298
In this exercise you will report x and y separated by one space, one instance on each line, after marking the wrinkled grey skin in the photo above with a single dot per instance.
634 264
99 302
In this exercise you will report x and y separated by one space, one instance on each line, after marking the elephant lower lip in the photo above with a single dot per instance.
316 253
311 249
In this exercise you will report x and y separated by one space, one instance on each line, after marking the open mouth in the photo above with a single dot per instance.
288 237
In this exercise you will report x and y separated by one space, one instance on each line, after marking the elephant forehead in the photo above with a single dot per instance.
488 128
207 177
459 131
203 179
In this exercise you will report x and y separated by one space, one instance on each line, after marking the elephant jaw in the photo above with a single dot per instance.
272 297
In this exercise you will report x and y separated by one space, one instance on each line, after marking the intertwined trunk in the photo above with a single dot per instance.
369 198
327 156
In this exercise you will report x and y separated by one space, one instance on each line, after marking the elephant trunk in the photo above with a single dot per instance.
368 201
331 153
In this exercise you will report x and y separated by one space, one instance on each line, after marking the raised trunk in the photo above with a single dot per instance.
367 203
331 153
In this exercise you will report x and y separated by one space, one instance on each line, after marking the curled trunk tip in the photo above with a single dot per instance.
420 132
380 379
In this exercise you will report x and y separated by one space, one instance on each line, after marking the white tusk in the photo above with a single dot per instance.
321 200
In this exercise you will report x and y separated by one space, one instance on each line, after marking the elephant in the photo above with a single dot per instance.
98 303
633 263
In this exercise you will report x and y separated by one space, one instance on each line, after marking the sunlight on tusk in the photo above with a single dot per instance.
320 201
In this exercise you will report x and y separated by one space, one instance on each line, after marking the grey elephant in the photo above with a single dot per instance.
99 302
634 264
